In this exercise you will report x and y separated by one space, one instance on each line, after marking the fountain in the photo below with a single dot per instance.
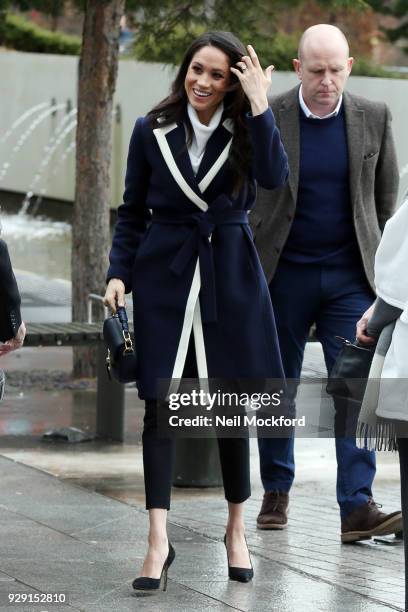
60 163
61 133
21 120
26 134
46 240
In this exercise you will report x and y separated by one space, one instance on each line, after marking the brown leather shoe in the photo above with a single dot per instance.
273 514
367 521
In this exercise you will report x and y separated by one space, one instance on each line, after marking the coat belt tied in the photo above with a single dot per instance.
203 224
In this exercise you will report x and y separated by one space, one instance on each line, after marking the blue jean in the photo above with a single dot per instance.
333 296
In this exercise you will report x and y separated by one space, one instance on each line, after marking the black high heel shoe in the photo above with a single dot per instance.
153 584
241 574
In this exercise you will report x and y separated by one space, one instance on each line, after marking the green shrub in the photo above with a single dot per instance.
279 50
364 67
18 33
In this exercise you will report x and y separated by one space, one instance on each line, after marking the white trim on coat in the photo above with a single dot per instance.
189 316
160 134
215 168
199 342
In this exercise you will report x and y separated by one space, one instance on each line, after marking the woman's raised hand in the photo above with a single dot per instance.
115 294
255 81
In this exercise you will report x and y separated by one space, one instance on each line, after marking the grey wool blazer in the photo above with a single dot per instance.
373 171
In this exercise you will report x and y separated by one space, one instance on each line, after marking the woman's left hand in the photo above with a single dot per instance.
255 81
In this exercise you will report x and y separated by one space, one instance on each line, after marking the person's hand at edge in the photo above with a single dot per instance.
14 343
361 328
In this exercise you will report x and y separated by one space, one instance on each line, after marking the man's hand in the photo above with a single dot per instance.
14 343
361 328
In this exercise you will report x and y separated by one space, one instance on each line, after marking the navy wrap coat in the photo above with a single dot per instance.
183 246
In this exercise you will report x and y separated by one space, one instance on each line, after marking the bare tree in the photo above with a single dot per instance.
90 230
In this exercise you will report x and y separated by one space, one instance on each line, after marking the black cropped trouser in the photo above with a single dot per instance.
159 455
158 463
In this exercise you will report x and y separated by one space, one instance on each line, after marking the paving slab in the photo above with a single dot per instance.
58 537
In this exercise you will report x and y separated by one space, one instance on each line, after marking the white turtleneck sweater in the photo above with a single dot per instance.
201 134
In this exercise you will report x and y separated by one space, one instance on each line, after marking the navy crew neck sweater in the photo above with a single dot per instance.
323 224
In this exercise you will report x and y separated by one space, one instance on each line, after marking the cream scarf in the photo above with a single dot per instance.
201 134
386 396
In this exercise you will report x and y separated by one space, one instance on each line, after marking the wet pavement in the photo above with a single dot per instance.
72 517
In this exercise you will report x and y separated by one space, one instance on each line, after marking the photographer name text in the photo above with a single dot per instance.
238 420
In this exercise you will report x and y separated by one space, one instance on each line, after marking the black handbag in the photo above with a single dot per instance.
121 361
348 377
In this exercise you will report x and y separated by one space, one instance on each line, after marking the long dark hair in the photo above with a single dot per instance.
174 107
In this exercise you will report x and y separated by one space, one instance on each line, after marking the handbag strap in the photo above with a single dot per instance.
356 343
123 318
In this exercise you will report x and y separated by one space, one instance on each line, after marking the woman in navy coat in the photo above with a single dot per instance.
183 246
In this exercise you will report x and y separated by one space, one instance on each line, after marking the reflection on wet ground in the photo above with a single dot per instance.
111 468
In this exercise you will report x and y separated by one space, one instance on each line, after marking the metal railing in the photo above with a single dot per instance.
92 298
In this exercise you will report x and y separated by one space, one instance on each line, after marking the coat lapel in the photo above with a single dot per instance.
289 129
217 150
171 141
172 144
355 142
176 139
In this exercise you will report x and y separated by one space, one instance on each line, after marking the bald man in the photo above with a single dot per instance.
316 238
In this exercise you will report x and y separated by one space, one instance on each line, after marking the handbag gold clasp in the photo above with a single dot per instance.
108 363
128 343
